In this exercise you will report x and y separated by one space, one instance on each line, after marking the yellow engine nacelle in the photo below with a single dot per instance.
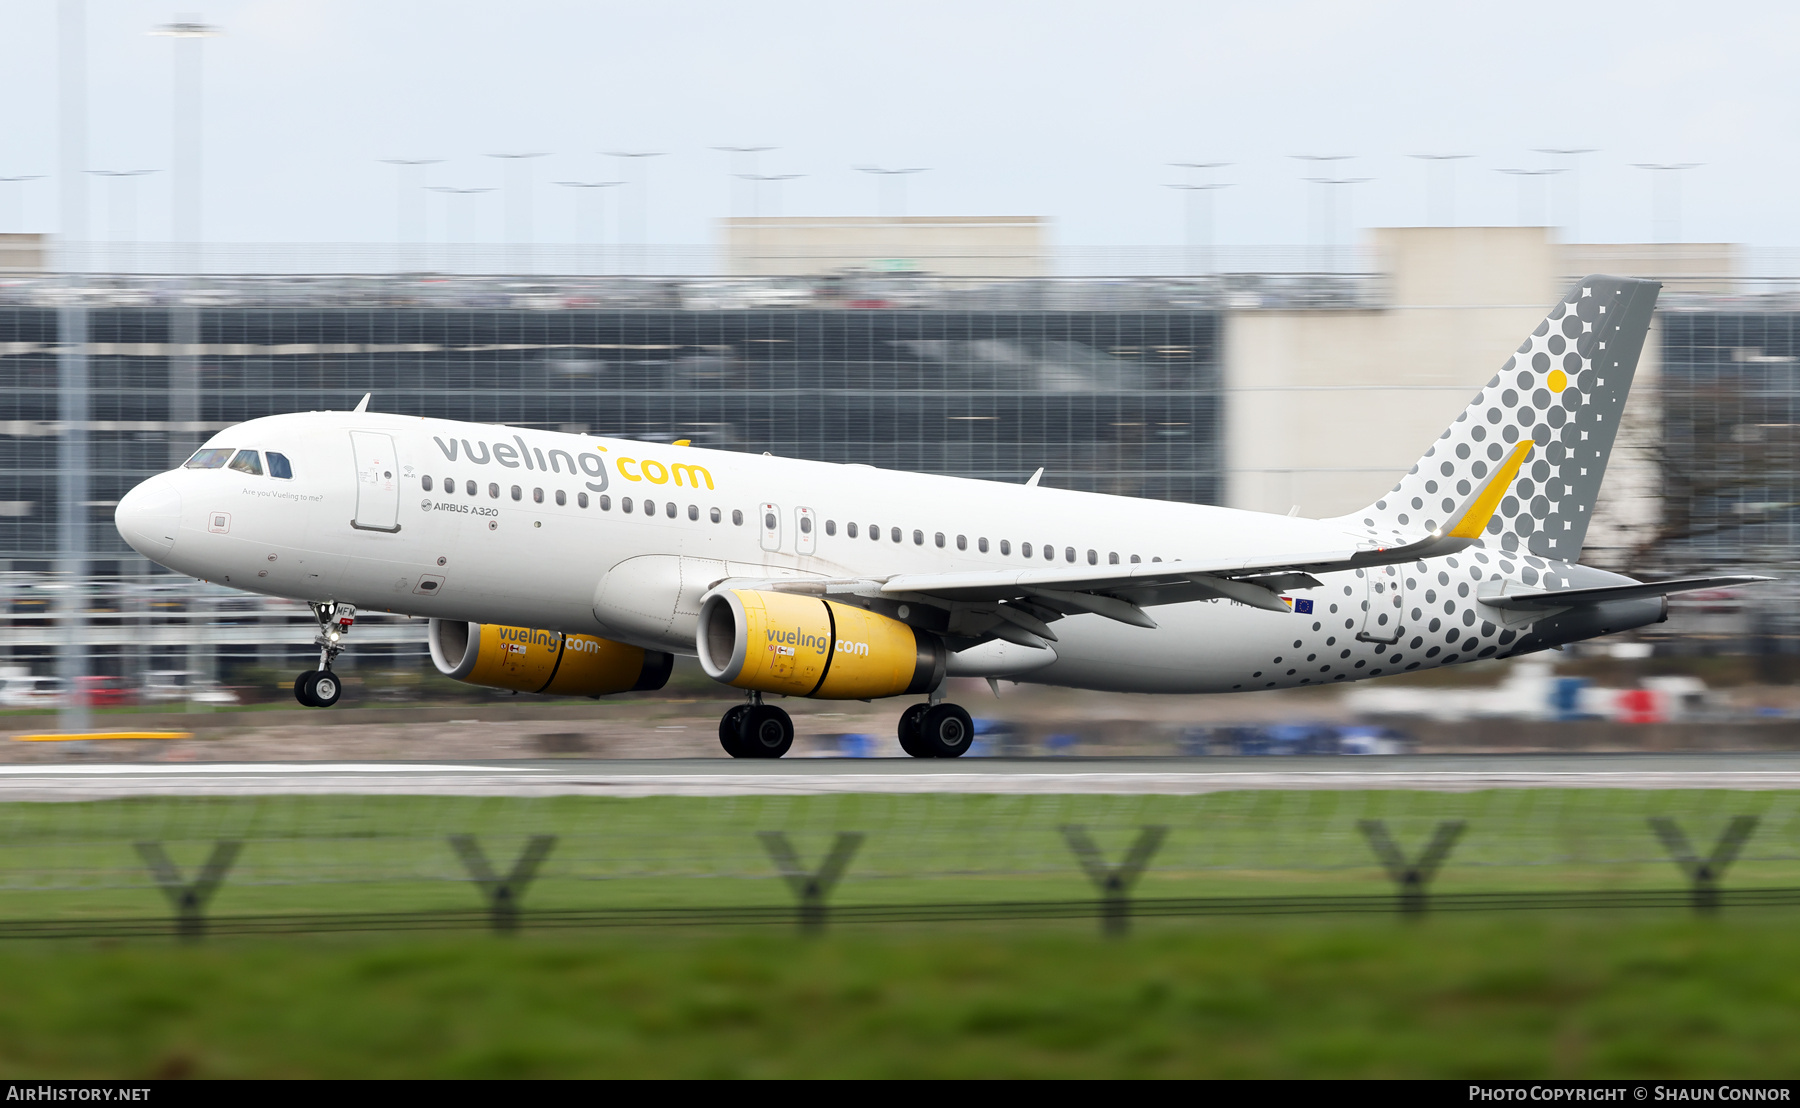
804 646
524 660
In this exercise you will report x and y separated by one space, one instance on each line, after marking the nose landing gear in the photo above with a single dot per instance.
756 730
320 688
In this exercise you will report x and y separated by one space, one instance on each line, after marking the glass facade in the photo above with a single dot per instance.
1729 454
1120 402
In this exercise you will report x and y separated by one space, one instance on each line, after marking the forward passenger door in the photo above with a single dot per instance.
377 482
769 518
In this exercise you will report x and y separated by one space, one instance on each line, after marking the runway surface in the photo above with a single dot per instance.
818 776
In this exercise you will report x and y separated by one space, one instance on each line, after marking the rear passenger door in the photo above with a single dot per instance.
806 531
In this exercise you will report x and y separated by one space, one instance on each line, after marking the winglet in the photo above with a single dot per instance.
363 404
1032 482
1472 518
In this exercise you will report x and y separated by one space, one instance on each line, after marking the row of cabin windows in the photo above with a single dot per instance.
895 534
851 530
244 461
605 503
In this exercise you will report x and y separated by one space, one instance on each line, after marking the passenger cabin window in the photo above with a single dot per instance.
1024 549
494 489
211 458
424 482
605 503
469 487
894 534
669 509
737 518
940 540
981 545
563 498
280 468
537 496
1005 546
694 512
581 499
1112 559
850 529
1135 559
1094 558
625 504
649 507
962 542
715 516
1050 553
831 527
918 538
518 493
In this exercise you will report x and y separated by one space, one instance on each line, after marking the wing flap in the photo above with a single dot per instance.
1570 598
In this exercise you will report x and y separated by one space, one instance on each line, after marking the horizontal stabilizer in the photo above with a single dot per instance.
1570 598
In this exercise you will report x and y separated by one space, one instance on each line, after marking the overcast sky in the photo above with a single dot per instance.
1067 110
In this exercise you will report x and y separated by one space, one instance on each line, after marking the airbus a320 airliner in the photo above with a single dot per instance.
567 564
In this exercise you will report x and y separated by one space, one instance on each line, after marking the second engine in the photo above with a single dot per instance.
807 646
550 662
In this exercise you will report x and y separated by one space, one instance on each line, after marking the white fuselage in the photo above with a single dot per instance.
356 523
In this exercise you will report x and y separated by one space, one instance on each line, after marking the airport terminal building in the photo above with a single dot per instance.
1308 391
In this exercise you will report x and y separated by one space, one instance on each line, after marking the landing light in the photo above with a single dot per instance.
334 636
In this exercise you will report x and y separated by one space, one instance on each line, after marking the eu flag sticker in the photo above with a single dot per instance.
1303 607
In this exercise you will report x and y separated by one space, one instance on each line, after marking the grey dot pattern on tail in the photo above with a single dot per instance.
1563 391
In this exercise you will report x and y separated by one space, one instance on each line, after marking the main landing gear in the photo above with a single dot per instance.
937 730
758 730
320 688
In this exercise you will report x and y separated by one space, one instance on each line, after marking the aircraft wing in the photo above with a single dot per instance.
1019 604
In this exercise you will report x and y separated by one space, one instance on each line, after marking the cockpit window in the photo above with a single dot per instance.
247 461
279 467
210 458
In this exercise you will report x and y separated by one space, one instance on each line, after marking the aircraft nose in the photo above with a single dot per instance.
149 516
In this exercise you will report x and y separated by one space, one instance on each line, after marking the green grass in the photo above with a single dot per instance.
351 853
1646 993
1516 995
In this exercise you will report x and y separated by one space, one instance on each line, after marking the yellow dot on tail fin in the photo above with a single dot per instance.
1558 380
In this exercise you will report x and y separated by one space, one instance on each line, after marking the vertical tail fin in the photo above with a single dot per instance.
1563 391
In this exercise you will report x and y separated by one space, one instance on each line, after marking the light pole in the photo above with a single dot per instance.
1665 197
16 210
1527 177
757 181
882 179
518 207
72 407
121 223
1572 154
409 180
641 159
1440 213
1329 215
187 31
597 238
735 155
450 221
1203 195
1320 225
